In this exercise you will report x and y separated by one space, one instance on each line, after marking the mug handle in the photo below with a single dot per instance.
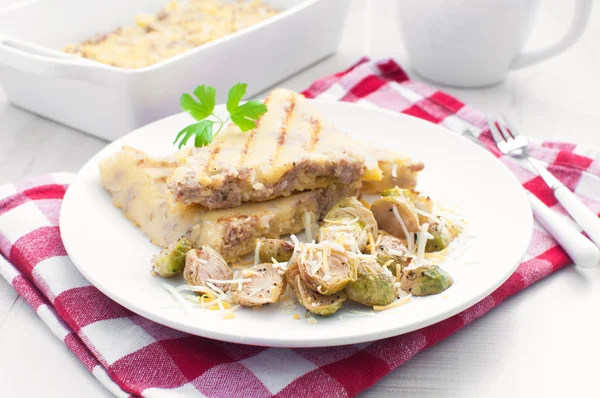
581 16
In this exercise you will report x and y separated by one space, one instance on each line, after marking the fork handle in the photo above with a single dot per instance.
587 219
578 247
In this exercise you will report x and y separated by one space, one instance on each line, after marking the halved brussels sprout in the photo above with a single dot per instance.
171 260
279 249
391 252
425 280
383 210
311 300
348 222
374 285
454 229
266 286
441 238
204 264
323 268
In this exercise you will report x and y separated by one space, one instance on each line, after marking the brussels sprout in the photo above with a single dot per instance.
204 264
425 280
454 229
391 252
324 269
311 300
348 223
375 285
266 286
171 260
279 249
383 211
441 238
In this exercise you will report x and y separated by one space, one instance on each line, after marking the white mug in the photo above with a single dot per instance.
474 43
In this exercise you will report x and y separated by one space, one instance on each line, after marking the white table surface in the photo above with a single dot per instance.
544 341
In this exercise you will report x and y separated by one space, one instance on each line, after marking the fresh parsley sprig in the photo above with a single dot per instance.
244 116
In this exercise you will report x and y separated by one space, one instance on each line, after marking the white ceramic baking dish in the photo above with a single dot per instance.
107 101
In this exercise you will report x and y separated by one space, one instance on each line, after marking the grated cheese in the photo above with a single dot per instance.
255 291
228 315
178 296
422 242
395 304
342 222
251 272
294 239
257 252
371 242
435 256
216 289
312 320
395 252
409 237
428 215
307 226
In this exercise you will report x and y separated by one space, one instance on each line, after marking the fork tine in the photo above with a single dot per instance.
504 131
511 127
494 130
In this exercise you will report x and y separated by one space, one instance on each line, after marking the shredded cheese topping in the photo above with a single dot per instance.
257 252
228 315
307 226
428 215
342 222
371 243
409 237
422 242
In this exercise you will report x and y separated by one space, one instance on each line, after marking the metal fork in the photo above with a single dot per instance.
510 142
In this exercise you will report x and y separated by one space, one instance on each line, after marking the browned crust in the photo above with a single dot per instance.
289 111
213 154
250 136
315 134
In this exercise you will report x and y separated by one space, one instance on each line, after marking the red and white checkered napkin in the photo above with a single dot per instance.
131 355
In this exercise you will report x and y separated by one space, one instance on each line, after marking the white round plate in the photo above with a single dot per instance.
115 256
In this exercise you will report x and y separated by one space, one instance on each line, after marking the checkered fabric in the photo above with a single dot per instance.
131 355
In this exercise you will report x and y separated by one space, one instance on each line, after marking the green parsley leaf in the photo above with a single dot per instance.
236 93
202 130
245 116
205 105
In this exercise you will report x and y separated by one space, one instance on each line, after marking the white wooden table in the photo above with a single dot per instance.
544 341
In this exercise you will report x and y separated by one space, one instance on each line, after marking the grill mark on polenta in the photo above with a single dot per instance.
213 154
315 135
250 136
289 111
